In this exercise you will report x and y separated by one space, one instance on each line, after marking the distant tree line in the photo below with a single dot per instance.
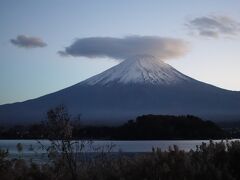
67 159
146 127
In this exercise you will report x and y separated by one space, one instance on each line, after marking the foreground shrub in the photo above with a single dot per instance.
218 161
67 160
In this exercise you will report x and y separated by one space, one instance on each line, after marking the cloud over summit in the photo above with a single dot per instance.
28 42
122 48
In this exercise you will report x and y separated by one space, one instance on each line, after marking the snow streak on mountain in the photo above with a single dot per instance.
142 69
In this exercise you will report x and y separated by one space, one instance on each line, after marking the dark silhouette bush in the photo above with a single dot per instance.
218 161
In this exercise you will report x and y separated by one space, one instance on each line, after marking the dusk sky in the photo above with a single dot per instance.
38 40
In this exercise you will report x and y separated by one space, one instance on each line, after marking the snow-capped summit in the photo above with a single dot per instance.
139 85
141 69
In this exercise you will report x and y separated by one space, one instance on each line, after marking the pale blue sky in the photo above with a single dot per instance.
29 73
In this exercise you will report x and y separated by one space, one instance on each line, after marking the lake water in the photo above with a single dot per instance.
33 146
32 149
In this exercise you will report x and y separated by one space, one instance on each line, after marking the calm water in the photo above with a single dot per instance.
33 146
32 149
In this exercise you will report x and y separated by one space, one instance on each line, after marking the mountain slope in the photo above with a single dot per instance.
138 85
143 69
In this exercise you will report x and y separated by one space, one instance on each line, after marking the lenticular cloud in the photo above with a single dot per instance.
122 48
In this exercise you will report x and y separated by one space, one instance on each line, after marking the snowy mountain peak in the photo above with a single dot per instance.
140 69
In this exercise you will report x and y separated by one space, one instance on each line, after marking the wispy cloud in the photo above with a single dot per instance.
214 26
121 48
28 42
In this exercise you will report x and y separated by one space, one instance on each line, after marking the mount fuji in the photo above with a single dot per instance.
139 85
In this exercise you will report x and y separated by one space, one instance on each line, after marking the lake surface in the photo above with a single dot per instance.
33 146
33 149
